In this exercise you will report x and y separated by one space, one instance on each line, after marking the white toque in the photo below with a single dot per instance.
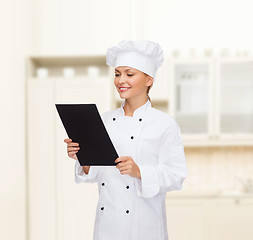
145 56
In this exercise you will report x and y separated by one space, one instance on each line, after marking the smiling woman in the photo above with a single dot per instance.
133 86
151 158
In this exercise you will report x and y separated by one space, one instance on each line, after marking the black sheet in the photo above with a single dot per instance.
84 125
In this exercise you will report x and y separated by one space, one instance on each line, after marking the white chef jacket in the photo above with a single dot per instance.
131 208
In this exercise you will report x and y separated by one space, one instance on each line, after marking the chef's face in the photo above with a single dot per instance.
131 83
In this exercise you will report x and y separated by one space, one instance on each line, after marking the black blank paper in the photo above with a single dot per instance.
84 125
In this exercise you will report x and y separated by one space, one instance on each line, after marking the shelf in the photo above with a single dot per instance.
216 143
59 60
89 82
187 194
54 66
243 83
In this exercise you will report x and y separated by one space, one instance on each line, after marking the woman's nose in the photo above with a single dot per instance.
122 79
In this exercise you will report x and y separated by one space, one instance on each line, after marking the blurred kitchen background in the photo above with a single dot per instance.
53 51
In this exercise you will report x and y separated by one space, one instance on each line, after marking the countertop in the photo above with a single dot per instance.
184 194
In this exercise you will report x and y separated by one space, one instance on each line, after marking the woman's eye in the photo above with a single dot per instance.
130 75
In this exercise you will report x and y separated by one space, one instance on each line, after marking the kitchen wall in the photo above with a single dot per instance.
215 170
82 27
14 46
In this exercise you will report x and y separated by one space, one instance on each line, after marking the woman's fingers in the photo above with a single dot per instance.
70 149
123 163
70 143
71 154
127 167
73 144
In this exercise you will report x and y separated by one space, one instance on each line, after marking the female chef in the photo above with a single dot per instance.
131 203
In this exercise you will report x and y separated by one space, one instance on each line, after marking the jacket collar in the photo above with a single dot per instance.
138 112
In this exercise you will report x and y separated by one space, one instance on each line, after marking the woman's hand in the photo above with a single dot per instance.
72 148
128 166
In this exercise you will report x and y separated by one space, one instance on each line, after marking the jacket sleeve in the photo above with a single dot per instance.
171 169
81 176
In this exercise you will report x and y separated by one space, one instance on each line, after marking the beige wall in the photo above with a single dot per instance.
15 40
214 170
85 26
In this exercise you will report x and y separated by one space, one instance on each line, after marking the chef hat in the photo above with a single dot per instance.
145 56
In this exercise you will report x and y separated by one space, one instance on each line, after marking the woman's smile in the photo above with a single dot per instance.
123 89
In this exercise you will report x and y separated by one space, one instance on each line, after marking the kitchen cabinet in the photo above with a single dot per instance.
209 217
211 98
232 219
58 207
212 101
191 96
41 160
234 98
187 218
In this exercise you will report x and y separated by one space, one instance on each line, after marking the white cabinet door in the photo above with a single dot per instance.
232 219
187 219
235 98
210 218
41 160
191 93
76 203
58 207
